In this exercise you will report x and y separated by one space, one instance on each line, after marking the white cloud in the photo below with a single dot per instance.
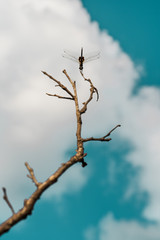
111 229
39 129
142 116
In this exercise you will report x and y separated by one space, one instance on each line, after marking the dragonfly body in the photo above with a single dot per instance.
81 59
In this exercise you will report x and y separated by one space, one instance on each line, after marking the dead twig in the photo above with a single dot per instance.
59 84
102 139
32 176
5 197
108 134
55 95
92 91
65 72
89 80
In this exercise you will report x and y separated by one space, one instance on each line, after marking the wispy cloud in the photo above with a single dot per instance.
113 229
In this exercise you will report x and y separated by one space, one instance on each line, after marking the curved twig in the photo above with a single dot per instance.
92 91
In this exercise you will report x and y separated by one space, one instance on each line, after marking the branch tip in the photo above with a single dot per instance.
59 83
108 134
5 197
55 95
32 176
102 139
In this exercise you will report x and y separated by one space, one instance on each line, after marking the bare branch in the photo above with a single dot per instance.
32 176
108 134
65 72
102 139
89 80
59 84
80 149
55 95
29 203
5 197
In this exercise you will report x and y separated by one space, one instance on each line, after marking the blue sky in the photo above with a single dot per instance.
117 194
135 25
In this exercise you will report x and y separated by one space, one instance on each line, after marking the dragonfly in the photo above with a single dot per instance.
81 59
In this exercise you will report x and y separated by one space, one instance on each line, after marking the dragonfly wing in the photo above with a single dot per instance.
70 58
92 56
70 55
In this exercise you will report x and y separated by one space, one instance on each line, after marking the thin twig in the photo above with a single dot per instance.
65 72
55 95
5 197
32 176
92 91
102 139
59 84
108 134
89 80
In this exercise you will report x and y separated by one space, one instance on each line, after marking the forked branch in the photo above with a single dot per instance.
31 176
79 156
102 139
59 84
